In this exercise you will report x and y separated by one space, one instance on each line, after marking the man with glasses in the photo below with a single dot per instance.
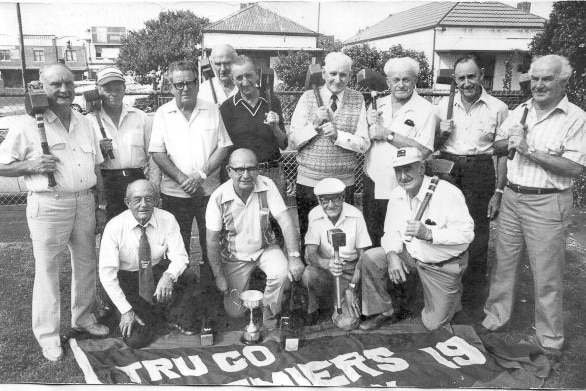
221 59
319 275
188 143
128 130
165 294
240 236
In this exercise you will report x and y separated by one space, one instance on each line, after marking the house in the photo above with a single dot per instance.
498 33
261 34
104 46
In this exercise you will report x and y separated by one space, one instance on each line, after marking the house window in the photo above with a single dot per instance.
98 52
4 55
39 55
70 55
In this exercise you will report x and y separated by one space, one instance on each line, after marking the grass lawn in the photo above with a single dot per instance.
21 360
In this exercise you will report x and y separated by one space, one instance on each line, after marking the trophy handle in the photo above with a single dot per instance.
235 299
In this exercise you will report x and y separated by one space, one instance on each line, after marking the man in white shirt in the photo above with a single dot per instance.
223 85
121 264
435 247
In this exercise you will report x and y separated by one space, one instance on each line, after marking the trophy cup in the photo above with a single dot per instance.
250 299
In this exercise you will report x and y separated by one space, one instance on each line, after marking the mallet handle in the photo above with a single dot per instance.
512 152
103 131
450 112
213 90
430 191
45 145
338 294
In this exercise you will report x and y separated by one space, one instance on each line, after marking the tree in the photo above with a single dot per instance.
291 68
174 35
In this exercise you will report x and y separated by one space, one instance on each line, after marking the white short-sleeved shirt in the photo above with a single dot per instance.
189 144
242 220
205 91
378 163
78 151
129 140
351 222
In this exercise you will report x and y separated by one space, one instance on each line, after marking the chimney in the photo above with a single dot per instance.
245 5
524 6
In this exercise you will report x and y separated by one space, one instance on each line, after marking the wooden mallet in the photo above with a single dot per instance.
35 103
207 73
446 76
337 238
511 154
267 84
93 103
374 81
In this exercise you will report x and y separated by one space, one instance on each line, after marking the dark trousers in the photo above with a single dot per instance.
374 212
476 179
181 310
115 189
306 201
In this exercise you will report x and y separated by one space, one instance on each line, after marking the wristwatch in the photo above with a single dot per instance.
391 136
102 206
202 175
294 254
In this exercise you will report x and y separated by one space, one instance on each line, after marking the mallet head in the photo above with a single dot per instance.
367 78
267 79
313 77
445 76
35 102
206 69
93 101
337 238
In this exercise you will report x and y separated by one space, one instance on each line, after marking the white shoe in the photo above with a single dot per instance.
53 353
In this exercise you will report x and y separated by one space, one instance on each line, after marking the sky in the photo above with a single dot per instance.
342 19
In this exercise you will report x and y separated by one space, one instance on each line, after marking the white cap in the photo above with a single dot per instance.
108 74
406 156
329 186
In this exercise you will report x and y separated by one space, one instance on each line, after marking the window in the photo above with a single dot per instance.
4 55
98 52
70 55
39 54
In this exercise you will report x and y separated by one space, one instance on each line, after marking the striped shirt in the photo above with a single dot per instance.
561 132
244 226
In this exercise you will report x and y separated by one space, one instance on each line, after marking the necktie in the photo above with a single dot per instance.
334 106
146 281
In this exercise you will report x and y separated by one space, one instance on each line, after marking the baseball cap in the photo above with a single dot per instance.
108 74
329 186
406 156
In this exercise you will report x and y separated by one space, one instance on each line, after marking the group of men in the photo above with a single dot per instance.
229 125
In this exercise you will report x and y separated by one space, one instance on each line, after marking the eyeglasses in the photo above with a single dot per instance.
149 200
240 170
325 200
190 84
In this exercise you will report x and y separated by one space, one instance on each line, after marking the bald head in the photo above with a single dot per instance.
57 82
222 56
243 155
141 198
140 185
50 69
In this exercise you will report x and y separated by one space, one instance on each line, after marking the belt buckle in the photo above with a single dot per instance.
125 173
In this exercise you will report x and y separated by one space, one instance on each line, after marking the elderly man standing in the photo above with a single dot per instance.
128 130
221 58
403 119
252 124
240 236
434 246
318 277
142 260
189 143
537 201
63 216
328 137
469 144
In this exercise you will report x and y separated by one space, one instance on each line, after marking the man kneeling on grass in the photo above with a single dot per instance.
141 247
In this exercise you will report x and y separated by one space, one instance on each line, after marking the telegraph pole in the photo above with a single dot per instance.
22 59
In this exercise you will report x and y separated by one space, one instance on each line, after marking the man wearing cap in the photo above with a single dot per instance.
142 260
223 85
469 144
403 119
327 138
434 246
240 237
63 216
128 131
318 277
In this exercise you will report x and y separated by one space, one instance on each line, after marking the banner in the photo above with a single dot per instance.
435 359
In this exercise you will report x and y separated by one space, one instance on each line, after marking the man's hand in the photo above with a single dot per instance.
321 115
221 284
164 289
272 118
397 269
373 117
494 205
417 229
328 130
335 267
446 127
101 220
191 183
380 132
127 321
106 146
43 165
352 302
295 267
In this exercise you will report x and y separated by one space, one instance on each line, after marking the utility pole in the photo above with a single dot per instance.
22 59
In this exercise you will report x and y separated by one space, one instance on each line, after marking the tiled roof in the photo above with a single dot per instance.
449 14
256 19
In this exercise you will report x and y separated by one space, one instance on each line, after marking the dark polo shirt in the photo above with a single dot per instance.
246 128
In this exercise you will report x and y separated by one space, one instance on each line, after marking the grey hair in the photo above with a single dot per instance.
565 69
182 65
223 47
402 63
338 57
45 68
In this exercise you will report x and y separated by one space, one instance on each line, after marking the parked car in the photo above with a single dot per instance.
137 95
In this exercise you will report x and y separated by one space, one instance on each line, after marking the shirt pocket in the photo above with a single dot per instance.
135 147
484 129
157 252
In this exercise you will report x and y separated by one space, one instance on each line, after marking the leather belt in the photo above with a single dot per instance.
531 190
464 158
268 164
123 172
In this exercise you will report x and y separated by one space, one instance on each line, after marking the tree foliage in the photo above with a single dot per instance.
291 68
174 35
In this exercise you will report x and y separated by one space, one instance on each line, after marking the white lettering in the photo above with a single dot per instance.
267 359
199 367
297 377
236 363
313 371
130 370
383 355
347 361
437 356
278 379
160 366
457 348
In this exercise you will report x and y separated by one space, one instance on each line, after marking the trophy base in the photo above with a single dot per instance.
249 341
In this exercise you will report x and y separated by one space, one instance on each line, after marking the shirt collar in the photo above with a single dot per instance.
237 97
230 195
562 105
132 223
411 104
484 98
199 105
329 93
346 212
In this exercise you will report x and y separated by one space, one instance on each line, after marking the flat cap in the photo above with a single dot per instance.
329 186
108 74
